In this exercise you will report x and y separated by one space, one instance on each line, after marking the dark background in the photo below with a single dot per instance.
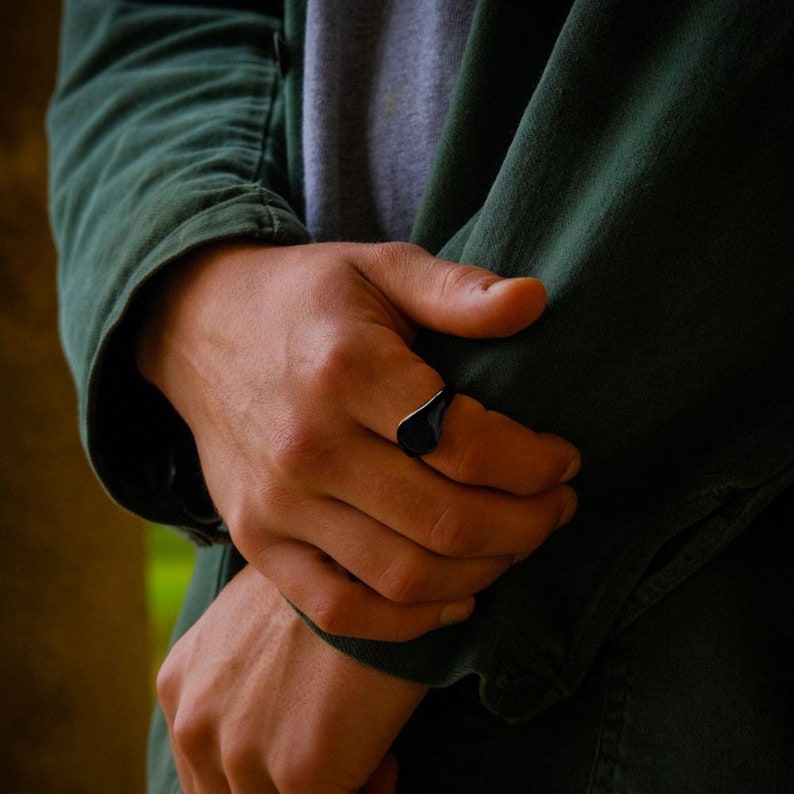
74 666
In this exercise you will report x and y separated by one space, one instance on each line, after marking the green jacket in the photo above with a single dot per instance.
640 164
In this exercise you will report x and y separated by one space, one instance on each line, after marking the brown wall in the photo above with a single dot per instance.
73 646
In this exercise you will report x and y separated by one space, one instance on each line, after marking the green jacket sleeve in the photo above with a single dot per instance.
650 184
647 180
166 132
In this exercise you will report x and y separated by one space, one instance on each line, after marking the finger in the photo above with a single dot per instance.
477 446
244 766
191 736
439 514
482 447
198 773
462 300
384 778
380 380
183 772
211 784
387 562
169 693
324 592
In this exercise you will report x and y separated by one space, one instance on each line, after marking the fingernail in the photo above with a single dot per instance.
572 470
568 510
456 612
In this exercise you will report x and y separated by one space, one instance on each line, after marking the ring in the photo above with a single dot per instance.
419 433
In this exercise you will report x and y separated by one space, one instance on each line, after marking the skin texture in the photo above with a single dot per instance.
292 366
302 717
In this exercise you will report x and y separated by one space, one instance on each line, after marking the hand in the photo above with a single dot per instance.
255 701
293 368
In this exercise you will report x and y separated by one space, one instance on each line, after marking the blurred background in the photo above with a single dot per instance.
88 593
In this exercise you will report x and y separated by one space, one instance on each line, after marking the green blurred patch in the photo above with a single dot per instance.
169 565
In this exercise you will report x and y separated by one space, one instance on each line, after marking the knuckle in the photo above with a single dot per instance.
166 684
390 257
465 463
252 529
402 581
332 366
395 251
463 450
191 731
170 679
255 544
294 772
448 534
294 448
329 613
463 278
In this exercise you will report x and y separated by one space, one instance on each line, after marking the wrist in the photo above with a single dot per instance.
179 314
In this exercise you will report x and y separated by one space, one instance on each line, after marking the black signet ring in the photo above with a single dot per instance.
419 433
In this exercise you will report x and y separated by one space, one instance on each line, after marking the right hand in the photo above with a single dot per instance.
292 366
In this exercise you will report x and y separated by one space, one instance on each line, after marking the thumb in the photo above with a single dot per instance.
462 300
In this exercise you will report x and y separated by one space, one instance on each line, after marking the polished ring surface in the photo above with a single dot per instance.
419 433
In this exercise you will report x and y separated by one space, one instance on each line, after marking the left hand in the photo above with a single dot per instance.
256 702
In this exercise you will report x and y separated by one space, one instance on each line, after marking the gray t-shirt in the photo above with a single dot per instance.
378 80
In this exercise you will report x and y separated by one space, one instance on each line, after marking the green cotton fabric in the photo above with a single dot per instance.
639 163
167 133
